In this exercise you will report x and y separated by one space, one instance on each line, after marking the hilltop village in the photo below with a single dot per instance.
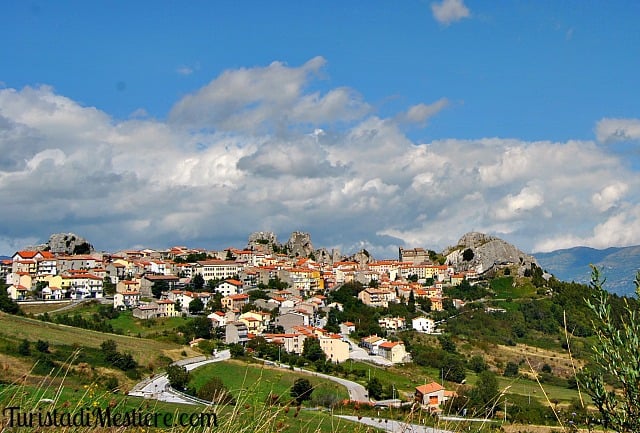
266 289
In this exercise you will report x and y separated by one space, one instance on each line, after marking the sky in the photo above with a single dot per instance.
369 124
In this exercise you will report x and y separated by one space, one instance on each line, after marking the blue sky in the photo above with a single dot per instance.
369 124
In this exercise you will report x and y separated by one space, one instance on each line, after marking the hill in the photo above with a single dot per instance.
619 265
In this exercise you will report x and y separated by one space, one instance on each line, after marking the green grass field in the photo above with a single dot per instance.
144 350
241 378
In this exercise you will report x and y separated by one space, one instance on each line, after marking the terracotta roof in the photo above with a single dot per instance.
429 388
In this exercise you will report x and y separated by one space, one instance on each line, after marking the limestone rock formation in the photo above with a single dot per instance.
362 257
65 243
299 245
482 252
266 242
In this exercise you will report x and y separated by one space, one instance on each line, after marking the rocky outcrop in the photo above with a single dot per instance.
362 257
266 242
299 245
69 243
482 252
64 243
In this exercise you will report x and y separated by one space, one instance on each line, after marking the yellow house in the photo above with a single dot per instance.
393 351
336 349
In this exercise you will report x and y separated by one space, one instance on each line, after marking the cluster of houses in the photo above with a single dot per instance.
288 317
229 274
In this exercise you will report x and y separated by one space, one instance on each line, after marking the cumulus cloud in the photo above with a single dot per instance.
260 98
612 130
420 113
319 161
609 196
449 11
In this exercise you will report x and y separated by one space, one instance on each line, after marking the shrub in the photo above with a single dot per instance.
616 354
215 391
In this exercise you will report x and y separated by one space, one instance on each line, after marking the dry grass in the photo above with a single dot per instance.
145 351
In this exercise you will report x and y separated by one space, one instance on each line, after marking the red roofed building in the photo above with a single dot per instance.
232 302
431 395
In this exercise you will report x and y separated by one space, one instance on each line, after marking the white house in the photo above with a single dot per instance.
423 324
229 287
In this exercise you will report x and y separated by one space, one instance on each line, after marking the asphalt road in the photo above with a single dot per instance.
157 388
394 426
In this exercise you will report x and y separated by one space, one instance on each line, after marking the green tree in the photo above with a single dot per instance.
178 376
196 306
197 282
453 369
484 396
107 286
301 390
374 388
447 343
312 350
511 370
411 304
158 287
477 364
616 354
236 350
42 346
24 348
215 391
6 303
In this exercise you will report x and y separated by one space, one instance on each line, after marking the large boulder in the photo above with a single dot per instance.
482 252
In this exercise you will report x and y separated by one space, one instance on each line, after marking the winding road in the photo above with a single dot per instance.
158 388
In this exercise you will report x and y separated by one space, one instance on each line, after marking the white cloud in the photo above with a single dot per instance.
253 99
420 113
449 11
514 205
209 176
609 196
611 130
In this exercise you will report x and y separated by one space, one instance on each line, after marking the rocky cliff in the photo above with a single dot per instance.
481 252
299 245
64 243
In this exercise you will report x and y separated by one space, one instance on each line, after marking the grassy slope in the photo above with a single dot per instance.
144 351
238 376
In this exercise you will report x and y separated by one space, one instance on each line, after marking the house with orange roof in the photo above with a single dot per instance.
290 342
218 319
77 262
377 297
392 323
229 287
80 284
218 269
128 286
18 292
232 302
126 300
393 351
432 395
292 319
334 347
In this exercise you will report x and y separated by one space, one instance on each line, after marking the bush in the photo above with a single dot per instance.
616 354
24 348
301 390
215 391
511 370
178 376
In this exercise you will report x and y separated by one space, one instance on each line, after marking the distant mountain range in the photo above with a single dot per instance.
618 265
